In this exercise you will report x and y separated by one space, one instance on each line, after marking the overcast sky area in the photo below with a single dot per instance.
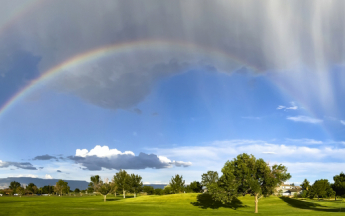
170 87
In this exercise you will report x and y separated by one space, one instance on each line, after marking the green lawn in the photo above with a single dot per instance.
179 204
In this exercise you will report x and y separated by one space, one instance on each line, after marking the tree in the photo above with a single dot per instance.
136 185
148 189
339 185
114 185
305 185
306 188
177 183
123 181
94 182
47 189
61 187
20 191
321 188
248 175
104 188
195 186
209 178
77 190
159 191
32 188
14 185
167 189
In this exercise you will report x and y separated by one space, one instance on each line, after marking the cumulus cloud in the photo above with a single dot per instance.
24 165
305 119
103 157
44 157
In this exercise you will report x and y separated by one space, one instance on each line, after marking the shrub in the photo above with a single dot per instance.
159 191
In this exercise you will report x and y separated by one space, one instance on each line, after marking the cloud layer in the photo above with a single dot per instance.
103 157
228 34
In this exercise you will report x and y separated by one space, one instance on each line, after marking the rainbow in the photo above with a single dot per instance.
119 48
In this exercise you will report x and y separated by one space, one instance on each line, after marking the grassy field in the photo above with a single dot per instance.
179 204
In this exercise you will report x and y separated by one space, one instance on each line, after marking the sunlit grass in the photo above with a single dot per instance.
179 204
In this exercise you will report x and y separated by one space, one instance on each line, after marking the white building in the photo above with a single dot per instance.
288 190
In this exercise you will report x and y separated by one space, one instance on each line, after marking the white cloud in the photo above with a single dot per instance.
100 151
342 122
292 107
306 141
305 119
47 176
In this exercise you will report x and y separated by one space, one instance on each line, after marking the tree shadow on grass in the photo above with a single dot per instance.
205 201
310 205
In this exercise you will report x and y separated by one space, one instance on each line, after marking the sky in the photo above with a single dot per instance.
160 88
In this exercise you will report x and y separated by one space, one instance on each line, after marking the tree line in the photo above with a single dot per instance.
324 189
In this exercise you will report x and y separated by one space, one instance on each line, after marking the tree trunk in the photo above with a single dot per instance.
105 198
115 193
135 195
318 198
335 197
256 204
124 194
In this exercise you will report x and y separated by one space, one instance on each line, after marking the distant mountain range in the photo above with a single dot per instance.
82 185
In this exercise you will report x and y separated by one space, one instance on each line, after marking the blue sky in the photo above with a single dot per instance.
159 112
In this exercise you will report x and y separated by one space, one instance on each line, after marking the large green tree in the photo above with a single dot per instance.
136 185
247 175
14 185
339 184
321 188
177 183
61 187
123 181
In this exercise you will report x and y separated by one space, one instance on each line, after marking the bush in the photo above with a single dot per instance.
159 191
168 190
149 190
304 194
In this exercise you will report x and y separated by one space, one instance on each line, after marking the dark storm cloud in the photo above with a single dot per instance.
14 76
24 165
44 157
259 34
125 161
